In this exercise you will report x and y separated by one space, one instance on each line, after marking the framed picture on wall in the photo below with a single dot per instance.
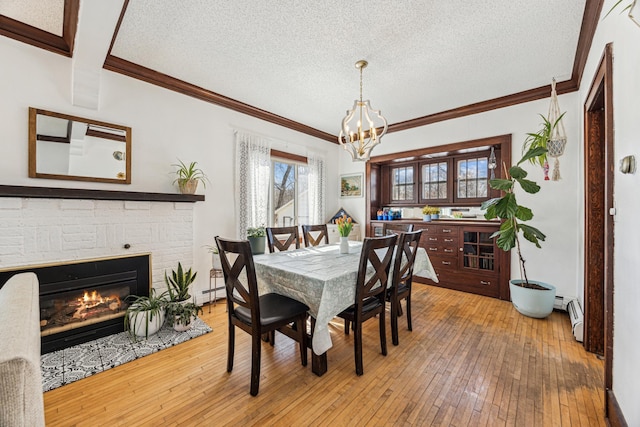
351 185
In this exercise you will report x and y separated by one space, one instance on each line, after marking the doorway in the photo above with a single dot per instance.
599 245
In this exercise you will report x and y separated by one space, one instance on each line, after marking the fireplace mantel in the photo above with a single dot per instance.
75 193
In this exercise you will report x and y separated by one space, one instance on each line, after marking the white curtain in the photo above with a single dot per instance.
253 170
317 188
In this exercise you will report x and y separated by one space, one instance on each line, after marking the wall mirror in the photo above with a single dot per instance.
69 147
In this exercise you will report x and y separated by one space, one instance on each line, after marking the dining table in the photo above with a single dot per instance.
325 280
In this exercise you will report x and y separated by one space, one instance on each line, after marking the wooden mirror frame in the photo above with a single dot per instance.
33 138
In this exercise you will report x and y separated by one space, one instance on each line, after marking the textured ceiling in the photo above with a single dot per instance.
296 59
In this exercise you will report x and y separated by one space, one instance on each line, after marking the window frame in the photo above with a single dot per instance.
296 160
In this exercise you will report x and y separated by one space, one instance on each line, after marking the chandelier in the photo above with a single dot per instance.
359 133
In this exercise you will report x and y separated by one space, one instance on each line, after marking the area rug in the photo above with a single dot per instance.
74 363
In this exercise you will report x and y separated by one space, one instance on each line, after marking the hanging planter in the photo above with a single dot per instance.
551 136
558 138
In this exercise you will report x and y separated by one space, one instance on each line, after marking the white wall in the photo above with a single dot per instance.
625 36
165 126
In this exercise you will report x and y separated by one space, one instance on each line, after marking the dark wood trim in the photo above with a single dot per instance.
613 411
75 193
34 36
148 75
117 29
70 23
288 156
60 139
599 238
105 135
590 20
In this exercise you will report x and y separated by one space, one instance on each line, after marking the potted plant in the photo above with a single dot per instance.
540 140
430 212
531 298
345 225
188 177
145 315
256 236
215 257
178 283
181 315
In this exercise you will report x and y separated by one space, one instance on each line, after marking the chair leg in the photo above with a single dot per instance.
383 333
357 347
409 313
272 338
394 322
256 346
346 327
231 347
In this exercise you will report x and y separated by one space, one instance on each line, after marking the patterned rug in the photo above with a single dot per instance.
74 363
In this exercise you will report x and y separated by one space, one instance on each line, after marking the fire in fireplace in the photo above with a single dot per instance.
83 301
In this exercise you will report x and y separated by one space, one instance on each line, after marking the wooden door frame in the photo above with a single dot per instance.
599 238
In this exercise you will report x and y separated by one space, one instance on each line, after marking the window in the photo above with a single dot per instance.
472 178
289 204
434 181
452 178
402 184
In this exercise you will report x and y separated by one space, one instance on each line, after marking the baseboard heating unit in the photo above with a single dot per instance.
577 319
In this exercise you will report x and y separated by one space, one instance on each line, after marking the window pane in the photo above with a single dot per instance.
402 184
289 203
434 177
472 178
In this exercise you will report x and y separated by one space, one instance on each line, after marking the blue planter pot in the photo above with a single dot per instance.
537 303
426 217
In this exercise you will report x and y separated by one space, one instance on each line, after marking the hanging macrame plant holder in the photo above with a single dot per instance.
558 138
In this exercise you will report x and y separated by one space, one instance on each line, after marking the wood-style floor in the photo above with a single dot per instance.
470 361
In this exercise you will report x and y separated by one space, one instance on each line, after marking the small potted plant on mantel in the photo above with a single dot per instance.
529 297
187 177
430 212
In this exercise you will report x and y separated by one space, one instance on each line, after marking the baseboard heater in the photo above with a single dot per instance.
577 319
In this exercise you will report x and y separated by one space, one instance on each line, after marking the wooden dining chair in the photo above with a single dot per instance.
282 238
319 231
391 228
402 278
370 292
256 315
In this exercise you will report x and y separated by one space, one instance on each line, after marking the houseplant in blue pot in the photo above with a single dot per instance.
529 297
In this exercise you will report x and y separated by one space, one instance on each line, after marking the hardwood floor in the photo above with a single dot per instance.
470 361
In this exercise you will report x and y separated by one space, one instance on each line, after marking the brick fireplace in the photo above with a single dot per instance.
48 226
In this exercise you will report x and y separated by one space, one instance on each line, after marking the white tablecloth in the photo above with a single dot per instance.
323 279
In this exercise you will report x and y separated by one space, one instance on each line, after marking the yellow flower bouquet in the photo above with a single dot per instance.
345 224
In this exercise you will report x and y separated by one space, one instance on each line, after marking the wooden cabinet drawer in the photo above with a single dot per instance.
443 262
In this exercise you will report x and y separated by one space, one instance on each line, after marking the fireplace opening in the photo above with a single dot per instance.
85 300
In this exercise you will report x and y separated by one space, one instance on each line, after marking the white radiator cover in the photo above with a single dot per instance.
577 319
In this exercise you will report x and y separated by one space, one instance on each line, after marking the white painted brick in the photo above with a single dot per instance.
109 205
11 203
72 204
132 205
183 206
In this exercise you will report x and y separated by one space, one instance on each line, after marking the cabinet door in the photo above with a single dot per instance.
478 250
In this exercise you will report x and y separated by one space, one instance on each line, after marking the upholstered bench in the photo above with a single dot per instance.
21 402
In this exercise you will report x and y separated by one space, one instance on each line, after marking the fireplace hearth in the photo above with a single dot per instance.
85 300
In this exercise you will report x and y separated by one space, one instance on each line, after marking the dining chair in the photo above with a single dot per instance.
388 228
402 278
256 315
282 238
319 231
370 292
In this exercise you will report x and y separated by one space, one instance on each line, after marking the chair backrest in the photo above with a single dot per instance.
388 228
377 252
405 257
282 238
239 275
320 232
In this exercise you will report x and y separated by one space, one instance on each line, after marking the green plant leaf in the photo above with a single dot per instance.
506 206
501 184
528 186
533 153
524 213
517 172
507 238
532 234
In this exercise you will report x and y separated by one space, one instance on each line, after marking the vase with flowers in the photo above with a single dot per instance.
345 224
